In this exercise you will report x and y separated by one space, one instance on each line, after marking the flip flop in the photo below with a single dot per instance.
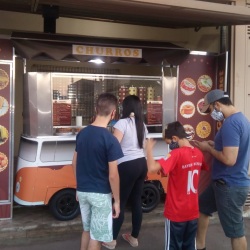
108 245
127 238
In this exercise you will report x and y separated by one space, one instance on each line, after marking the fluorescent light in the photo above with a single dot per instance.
202 53
97 61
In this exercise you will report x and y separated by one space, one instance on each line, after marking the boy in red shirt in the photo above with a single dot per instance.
183 165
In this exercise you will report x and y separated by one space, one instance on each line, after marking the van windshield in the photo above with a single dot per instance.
28 150
57 151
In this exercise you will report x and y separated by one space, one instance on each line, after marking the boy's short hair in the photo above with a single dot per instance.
105 104
175 129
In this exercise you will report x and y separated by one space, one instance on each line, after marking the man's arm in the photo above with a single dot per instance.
74 167
114 181
153 166
74 162
228 155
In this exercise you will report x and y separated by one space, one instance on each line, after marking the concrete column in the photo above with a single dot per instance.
240 70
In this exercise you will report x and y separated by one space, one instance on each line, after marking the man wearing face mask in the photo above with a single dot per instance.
230 184
183 165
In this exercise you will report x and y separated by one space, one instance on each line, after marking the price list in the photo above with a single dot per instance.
154 112
61 114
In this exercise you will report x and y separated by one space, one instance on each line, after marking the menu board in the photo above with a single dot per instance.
6 166
154 112
197 76
61 113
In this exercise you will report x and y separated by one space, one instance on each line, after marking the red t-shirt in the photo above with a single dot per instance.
183 165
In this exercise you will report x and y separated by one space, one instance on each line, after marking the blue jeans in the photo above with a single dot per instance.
229 202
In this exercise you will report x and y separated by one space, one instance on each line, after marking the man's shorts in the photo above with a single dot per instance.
229 202
96 212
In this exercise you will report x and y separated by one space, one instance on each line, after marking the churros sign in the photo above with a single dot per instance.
106 51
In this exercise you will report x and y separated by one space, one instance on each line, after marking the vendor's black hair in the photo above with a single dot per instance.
132 104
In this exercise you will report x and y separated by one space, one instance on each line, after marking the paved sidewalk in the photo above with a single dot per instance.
29 222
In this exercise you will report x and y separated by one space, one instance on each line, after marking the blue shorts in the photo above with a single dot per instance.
96 212
180 235
229 202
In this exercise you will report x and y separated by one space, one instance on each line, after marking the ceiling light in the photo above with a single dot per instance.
201 53
96 61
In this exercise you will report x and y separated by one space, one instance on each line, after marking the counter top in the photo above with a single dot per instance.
73 136
154 135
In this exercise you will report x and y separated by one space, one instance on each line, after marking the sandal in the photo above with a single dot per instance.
131 240
109 245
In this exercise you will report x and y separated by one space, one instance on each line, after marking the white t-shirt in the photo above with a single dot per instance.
129 142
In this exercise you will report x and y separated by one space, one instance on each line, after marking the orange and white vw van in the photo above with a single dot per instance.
45 176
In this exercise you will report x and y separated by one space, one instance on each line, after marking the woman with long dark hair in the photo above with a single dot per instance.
131 132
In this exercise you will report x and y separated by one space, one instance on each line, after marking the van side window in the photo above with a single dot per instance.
65 150
48 151
28 150
57 151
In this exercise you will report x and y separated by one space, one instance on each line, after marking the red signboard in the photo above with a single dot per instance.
6 162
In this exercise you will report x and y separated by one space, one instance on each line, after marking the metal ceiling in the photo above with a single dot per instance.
158 13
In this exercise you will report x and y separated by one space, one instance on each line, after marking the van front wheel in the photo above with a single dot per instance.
64 206
150 197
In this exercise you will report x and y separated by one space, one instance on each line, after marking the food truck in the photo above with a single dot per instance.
57 105
55 114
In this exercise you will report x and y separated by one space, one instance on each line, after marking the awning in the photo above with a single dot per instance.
42 46
157 13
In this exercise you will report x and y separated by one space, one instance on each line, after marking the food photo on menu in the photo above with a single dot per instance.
188 86
190 131
3 135
4 106
203 129
187 109
4 79
205 83
3 162
200 105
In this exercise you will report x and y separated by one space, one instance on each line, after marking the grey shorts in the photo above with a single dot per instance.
96 212
228 202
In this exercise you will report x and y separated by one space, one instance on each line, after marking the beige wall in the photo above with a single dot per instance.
205 39
240 70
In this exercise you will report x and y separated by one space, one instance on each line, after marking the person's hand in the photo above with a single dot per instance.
204 145
76 197
211 143
116 209
150 143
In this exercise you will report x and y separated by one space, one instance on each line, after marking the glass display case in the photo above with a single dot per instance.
74 98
